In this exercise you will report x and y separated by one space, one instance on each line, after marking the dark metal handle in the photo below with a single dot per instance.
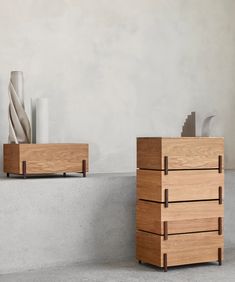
220 225
220 164
220 195
166 198
166 165
165 226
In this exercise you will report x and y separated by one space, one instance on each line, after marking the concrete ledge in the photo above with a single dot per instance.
58 221
54 221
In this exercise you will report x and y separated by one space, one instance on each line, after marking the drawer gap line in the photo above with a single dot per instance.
188 201
174 234
179 169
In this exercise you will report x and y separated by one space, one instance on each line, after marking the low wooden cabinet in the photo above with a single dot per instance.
179 209
31 159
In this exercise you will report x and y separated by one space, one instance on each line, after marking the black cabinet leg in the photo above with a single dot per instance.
165 262
220 256
24 169
84 168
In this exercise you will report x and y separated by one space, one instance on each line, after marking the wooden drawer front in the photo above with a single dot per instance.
182 153
52 167
53 152
180 249
146 221
183 185
181 210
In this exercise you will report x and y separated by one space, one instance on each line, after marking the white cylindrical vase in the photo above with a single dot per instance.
42 130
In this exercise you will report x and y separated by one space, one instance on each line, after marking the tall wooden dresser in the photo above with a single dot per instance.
180 210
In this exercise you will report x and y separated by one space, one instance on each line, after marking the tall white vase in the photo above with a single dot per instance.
19 125
42 131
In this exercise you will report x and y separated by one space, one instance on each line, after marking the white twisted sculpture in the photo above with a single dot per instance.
19 125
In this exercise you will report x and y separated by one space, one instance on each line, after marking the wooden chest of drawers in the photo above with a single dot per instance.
179 210
34 159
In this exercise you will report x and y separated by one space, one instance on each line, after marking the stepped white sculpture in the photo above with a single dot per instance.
193 125
19 125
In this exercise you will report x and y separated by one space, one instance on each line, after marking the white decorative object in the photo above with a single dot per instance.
193 125
19 125
206 126
42 120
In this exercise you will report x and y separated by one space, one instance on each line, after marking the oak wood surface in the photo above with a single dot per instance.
182 152
10 158
146 221
181 210
183 185
47 158
180 249
194 216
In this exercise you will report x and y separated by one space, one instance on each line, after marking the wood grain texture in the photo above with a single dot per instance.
188 227
148 248
10 158
149 153
181 210
182 152
183 185
49 158
146 220
192 210
181 249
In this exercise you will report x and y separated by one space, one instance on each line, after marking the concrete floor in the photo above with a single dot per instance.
129 271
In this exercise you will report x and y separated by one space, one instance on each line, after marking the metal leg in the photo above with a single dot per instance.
220 256
24 169
139 261
165 262
8 174
84 168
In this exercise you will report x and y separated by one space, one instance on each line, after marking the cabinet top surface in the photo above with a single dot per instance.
197 137
45 144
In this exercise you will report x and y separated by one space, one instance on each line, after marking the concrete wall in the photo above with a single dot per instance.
114 70
66 220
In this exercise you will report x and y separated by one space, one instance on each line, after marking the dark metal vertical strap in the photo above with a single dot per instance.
165 227
220 256
220 226
220 164
220 195
24 169
166 198
165 262
166 165
84 168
